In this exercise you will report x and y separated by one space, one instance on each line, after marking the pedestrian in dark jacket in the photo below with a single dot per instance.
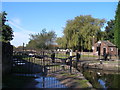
77 57
53 57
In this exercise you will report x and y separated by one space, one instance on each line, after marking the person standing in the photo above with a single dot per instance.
53 57
77 58
71 53
70 61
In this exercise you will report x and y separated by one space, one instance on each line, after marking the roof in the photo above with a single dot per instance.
108 43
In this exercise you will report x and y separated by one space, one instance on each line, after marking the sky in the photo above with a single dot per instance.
31 17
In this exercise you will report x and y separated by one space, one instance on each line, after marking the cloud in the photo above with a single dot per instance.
21 35
16 21
20 38
15 25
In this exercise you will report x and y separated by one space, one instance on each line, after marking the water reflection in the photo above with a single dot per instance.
102 79
37 75
48 82
42 81
102 83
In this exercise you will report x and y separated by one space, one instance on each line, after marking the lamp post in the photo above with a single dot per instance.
99 42
23 47
93 40
93 45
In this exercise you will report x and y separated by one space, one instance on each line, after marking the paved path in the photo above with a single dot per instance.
71 80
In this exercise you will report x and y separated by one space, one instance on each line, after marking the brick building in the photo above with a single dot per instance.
105 47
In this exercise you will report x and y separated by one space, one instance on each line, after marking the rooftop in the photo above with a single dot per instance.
108 43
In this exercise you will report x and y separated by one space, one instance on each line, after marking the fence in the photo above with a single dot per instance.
40 62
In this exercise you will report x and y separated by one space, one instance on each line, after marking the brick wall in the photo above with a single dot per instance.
113 51
108 49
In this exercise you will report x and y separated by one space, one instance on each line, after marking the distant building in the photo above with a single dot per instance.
105 47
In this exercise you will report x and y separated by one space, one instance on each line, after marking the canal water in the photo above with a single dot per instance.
48 82
24 77
31 81
102 79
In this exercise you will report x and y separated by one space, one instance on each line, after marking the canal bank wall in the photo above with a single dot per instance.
104 65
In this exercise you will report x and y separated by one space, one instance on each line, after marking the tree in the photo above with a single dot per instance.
31 44
80 31
61 41
109 31
43 40
19 48
117 28
6 30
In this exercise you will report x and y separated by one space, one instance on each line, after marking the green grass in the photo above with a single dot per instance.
61 55
83 83
88 56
